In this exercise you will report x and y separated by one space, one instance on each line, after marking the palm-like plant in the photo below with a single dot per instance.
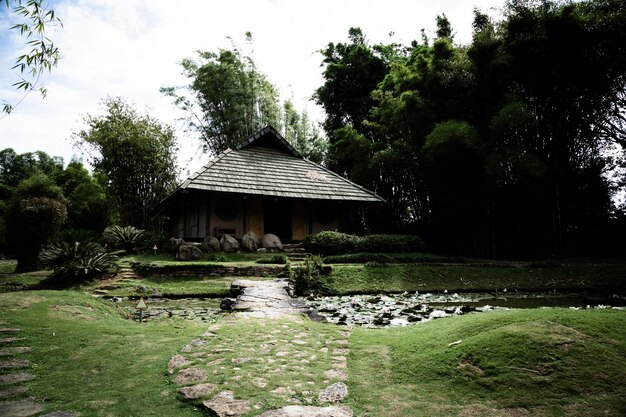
78 261
126 237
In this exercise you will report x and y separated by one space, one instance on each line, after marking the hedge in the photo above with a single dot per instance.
337 243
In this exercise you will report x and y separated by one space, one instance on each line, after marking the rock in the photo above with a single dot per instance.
227 304
308 411
229 244
336 374
211 244
13 391
334 393
177 361
261 250
197 391
7 379
271 242
20 408
188 253
190 376
224 404
173 244
14 363
250 242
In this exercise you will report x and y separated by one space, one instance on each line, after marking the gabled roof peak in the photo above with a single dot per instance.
269 137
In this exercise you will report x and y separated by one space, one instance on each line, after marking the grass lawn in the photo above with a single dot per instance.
417 277
544 362
171 286
87 358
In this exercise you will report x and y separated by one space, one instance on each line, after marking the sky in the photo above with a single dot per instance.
131 48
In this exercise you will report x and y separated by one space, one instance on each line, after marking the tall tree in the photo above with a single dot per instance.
230 99
136 155
302 133
35 213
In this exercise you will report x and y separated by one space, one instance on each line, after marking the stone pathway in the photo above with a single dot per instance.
13 374
282 357
266 299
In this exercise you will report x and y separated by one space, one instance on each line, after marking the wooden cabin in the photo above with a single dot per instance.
262 185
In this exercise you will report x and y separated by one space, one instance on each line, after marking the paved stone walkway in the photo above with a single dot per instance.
278 347
14 372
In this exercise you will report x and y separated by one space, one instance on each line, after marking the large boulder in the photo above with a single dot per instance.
250 242
271 242
188 253
229 244
173 244
211 244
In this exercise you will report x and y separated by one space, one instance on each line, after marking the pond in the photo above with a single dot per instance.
373 310
414 307
158 308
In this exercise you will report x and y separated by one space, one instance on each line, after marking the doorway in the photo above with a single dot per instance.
277 218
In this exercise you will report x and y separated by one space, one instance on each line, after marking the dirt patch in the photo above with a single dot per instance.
468 367
75 312
13 301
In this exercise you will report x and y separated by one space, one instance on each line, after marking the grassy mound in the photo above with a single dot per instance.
86 357
547 362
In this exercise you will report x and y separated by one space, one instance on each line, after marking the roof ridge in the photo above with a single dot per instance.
269 129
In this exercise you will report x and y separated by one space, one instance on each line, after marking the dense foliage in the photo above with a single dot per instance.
136 155
35 212
337 243
506 146
309 278
229 99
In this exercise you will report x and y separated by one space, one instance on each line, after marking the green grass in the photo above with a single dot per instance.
166 286
87 358
241 258
546 362
415 277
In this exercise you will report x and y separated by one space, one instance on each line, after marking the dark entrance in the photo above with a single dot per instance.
277 218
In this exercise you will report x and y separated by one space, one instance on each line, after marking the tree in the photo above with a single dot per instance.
136 155
230 98
302 133
35 213
87 205
36 17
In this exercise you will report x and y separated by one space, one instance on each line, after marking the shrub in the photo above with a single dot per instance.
126 237
29 224
390 243
76 261
276 259
330 243
309 278
336 243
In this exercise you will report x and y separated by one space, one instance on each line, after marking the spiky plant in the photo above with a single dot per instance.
126 237
78 261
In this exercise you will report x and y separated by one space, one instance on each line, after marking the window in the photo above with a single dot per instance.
226 209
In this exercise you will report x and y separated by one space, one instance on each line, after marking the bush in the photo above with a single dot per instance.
331 243
309 279
276 259
126 237
390 243
336 243
76 261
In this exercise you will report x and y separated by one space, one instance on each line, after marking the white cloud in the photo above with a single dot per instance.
131 48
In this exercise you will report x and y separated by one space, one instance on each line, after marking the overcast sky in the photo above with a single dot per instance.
130 48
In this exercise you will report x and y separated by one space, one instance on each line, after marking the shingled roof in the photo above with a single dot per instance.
266 164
